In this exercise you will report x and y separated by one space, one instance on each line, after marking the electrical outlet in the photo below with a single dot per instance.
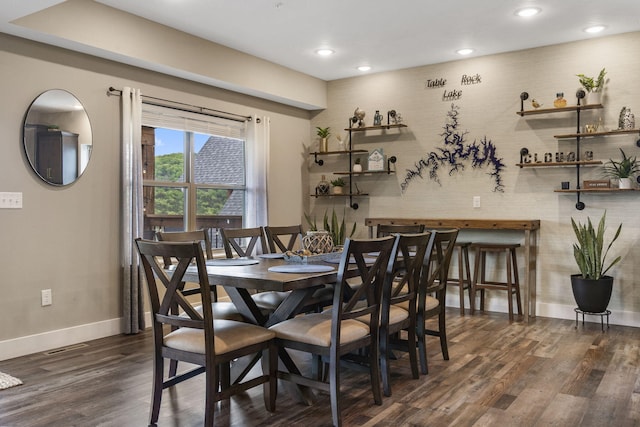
46 298
476 201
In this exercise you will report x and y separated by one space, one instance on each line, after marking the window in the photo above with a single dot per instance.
194 173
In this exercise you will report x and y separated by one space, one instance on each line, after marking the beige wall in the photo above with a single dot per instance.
488 109
66 239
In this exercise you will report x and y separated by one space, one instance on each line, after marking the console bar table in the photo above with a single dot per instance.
529 227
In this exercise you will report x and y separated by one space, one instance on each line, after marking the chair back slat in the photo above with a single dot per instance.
292 234
187 236
365 300
233 240
436 265
165 290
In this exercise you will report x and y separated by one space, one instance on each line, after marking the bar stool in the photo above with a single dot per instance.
512 283
463 281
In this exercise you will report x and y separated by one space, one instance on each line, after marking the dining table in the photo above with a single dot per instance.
270 272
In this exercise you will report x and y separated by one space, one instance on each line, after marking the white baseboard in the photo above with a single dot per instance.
50 340
555 311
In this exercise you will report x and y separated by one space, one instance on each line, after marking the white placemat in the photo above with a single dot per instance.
301 268
352 260
276 256
232 261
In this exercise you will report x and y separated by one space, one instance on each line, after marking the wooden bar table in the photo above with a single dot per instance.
530 228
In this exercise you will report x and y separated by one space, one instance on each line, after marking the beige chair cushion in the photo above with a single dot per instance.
315 329
269 300
224 310
229 336
429 304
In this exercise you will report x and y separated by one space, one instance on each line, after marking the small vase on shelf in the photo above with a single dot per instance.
323 187
560 101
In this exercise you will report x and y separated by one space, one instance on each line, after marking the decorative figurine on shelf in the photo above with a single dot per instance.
535 104
377 118
358 118
322 189
560 101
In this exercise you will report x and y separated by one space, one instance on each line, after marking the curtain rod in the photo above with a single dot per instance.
184 107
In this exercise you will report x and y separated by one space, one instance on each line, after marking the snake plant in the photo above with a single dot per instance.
588 250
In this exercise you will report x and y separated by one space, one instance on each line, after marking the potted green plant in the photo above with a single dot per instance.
622 170
592 287
337 185
335 228
357 167
324 134
593 86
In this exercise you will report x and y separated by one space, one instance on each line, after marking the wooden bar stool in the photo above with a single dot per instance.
463 281
512 283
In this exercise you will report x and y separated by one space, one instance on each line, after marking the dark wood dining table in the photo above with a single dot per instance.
240 280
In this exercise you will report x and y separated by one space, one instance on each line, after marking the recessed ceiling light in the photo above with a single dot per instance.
594 29
465 51
325 52
528 12
364 68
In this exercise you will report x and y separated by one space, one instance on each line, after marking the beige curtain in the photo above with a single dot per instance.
132 205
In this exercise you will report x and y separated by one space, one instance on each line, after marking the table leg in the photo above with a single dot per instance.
530 243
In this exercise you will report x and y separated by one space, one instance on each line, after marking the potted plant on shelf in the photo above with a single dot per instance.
592 287
324 134
337 185
592 86
622 170
357 167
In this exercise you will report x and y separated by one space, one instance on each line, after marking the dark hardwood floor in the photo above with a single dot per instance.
500 374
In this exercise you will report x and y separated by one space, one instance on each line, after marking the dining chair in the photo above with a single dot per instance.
337 332
221 309
246 242
291 234
195 336
388 229
398 309
243 242
432 293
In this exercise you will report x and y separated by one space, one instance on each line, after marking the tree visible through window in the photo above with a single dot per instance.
192 181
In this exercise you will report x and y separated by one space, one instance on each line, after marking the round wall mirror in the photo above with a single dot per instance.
57 137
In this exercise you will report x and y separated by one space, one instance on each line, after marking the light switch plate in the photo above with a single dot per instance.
10 200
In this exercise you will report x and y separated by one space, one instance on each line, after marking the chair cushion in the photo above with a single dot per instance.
229 335
224 310
315 329
429 304
269 300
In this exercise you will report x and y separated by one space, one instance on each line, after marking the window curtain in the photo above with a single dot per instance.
258 133
132 206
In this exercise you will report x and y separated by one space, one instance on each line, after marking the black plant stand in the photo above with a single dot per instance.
602 315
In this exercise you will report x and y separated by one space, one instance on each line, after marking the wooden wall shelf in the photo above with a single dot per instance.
558 110
593 134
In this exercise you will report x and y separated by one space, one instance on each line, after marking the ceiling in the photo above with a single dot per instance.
386 35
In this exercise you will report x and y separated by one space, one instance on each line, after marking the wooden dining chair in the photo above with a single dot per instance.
221 309
291 234
243 242
432 293
398 310
194 335
337 332
388 229
246 242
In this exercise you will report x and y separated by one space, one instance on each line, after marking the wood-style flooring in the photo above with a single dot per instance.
499 374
